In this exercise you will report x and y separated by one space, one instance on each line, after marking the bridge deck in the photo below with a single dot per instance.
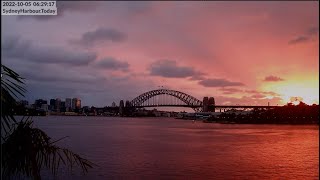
216 106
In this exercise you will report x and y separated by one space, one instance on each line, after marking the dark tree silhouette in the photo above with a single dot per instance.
27 150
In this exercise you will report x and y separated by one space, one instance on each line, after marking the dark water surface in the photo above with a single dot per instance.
165 148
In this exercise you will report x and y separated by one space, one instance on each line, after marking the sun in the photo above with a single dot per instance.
295 93
306 91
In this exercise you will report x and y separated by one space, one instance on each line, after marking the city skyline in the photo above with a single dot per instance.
104 52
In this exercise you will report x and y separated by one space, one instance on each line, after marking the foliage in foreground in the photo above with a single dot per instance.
27 150
10 89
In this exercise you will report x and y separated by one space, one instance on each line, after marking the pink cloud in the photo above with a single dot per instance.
273 79
214 44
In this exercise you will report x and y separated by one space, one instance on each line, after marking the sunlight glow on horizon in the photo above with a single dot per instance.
307 89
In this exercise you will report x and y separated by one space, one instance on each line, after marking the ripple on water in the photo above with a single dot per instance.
151 148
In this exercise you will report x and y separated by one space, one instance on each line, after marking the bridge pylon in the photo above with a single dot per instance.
211 105
205 104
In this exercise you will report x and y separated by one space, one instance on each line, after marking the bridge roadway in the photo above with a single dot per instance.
216 106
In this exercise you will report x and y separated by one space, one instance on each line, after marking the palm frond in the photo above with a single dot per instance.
10 88
28 150
11 79
8 103
12 74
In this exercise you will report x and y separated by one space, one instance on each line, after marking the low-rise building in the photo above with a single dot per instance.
44 107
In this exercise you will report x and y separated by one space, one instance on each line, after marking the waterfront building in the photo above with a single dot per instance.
50 108
44 107
24 103
68 104
85 109
58 104
52 104
39 102
63 106
93 111
29 106
76 104
33 106
113 104
128 104
73 104
121 108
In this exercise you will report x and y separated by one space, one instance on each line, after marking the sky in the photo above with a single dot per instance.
246 53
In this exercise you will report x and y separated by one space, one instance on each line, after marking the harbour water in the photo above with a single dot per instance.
167 148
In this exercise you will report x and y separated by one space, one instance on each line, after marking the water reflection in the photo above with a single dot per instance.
149 148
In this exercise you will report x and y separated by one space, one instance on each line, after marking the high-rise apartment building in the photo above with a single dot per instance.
73 103
68 104
52 104
58 104
76 103
44 107
39 102
63 106
113 104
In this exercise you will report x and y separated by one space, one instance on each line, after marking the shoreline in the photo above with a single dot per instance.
195 120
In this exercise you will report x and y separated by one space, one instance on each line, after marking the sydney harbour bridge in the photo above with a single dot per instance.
173 98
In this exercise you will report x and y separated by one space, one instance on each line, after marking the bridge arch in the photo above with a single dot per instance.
189 100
